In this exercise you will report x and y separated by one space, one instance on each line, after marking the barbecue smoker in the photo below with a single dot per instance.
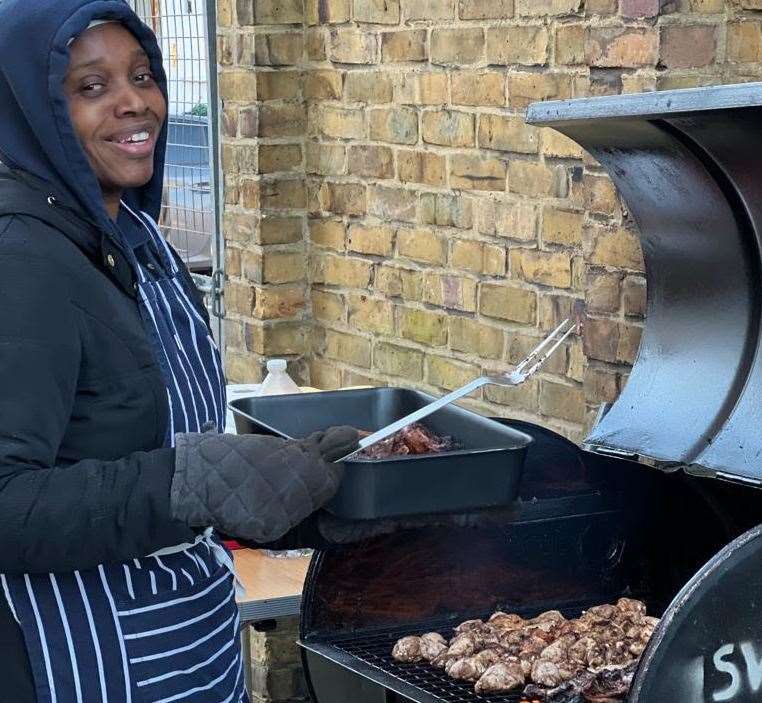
662 502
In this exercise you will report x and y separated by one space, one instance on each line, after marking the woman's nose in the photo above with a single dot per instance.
130 101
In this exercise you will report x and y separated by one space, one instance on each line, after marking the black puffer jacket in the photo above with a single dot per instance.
77 379
83 475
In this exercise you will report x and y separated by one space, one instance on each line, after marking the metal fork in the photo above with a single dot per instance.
533 361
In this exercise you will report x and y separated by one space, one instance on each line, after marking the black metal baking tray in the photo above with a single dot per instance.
485 472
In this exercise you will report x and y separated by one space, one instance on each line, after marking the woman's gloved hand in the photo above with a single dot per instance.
256 487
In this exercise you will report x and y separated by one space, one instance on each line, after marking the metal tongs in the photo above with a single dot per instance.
527 368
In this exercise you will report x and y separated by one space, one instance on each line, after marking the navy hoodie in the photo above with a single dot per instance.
36 134
84 475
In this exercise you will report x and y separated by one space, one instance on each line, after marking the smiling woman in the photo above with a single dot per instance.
116 107
114 474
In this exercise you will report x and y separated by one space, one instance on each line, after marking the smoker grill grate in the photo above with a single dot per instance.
374 648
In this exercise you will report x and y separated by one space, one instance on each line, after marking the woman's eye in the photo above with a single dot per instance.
145 77
93 87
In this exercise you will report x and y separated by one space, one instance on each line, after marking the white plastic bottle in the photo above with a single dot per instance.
277 381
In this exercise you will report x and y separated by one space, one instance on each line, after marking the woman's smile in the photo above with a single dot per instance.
137 142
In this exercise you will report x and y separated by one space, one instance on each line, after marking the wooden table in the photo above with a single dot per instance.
273 590
273 586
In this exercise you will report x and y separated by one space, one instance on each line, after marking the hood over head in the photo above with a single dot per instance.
37 135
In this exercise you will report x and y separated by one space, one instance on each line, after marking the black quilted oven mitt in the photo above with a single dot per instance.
256 487
337 442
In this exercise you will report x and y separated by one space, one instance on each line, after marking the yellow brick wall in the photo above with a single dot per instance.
390 218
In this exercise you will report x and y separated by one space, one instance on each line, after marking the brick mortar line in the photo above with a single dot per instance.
473 233
475 403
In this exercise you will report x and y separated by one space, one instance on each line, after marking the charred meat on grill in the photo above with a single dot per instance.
550 674
501 677
464 645
469 625
590 658
432 644
408 650
608 685
413 439
505 622
469 669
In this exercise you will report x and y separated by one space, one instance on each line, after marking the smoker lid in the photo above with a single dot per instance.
706 647
687 164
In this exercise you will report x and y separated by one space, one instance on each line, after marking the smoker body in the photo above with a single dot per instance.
600 528
662 503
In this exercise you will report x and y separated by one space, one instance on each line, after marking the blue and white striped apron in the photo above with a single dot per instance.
163 627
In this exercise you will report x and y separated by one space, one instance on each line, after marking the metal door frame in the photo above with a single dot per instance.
211 286
216 285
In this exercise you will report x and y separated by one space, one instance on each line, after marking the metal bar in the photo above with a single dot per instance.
190 217
155 12
271 608
246 656
215 180
646 105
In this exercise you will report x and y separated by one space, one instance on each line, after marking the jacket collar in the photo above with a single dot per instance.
24 194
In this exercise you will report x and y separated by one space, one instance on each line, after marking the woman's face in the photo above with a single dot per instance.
115 105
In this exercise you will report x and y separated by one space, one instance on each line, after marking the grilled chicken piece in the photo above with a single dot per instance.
558 651
432 645
501 677
586 652
617 653
526 664
504 622
450 662
440 661
514 639
408 650
580 659
582 625
601 613
650 622
467 669
544 629
483 636
549 673
631 606
469 625
532 646
647 628
610 684
463 646
568 691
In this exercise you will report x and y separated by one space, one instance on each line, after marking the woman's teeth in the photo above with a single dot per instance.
136 138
